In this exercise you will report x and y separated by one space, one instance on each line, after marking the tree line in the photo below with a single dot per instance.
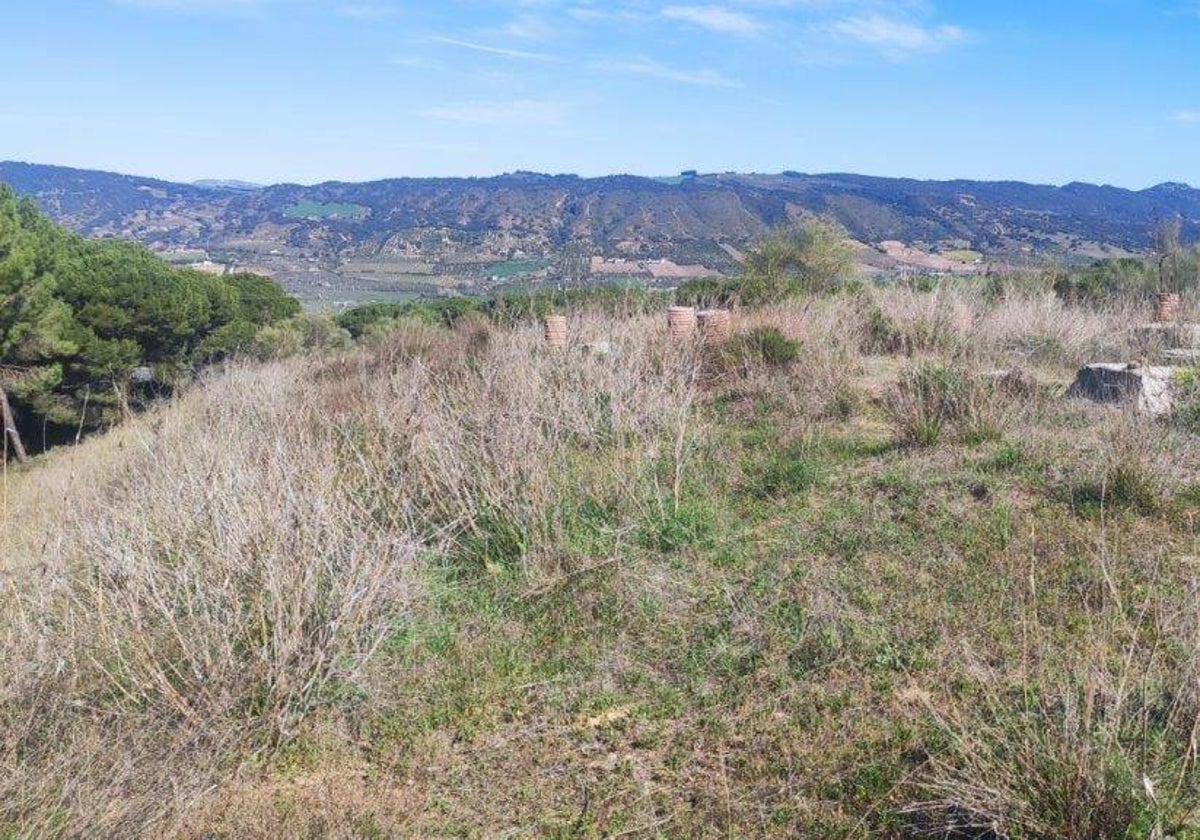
83 322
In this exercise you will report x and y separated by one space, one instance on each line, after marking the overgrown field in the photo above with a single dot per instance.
849 576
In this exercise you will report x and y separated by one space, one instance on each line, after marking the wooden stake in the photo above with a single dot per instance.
10 427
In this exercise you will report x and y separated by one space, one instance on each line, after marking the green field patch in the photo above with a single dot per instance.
390 267
316 210
514 268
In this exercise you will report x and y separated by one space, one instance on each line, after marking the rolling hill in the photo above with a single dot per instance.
693 218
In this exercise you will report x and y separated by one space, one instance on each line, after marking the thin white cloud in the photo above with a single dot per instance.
502 52
715 19
515 114
587 14
1187 115
653 69
368 11
530 28
898 38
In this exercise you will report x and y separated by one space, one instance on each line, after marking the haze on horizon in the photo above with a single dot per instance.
306 91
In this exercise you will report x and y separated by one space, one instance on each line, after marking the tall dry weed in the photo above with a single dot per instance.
266 533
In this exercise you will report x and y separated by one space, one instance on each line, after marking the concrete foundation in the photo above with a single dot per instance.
1148 389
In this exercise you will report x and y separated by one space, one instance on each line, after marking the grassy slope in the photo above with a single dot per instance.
665 595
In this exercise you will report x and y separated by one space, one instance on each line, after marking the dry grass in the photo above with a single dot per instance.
31 497
264 535
456 584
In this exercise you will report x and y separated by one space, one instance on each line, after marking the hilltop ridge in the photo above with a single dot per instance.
422 234
604 210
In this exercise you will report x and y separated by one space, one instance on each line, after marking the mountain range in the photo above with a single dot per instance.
691 218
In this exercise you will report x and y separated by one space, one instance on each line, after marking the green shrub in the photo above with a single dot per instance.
766 345
621 300
995 288
1108 279
447 312
261 300
843 403
1122 486
933 400
816 256
707 293
307 332
1130 485
359 319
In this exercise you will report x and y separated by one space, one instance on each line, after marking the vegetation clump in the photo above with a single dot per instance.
813 257
77 316
934 399
506 308
1173 268
767 345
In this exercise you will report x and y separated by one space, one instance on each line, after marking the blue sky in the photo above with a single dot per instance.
308 90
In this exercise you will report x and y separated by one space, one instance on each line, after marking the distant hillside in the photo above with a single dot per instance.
690 219
988 215
90 201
